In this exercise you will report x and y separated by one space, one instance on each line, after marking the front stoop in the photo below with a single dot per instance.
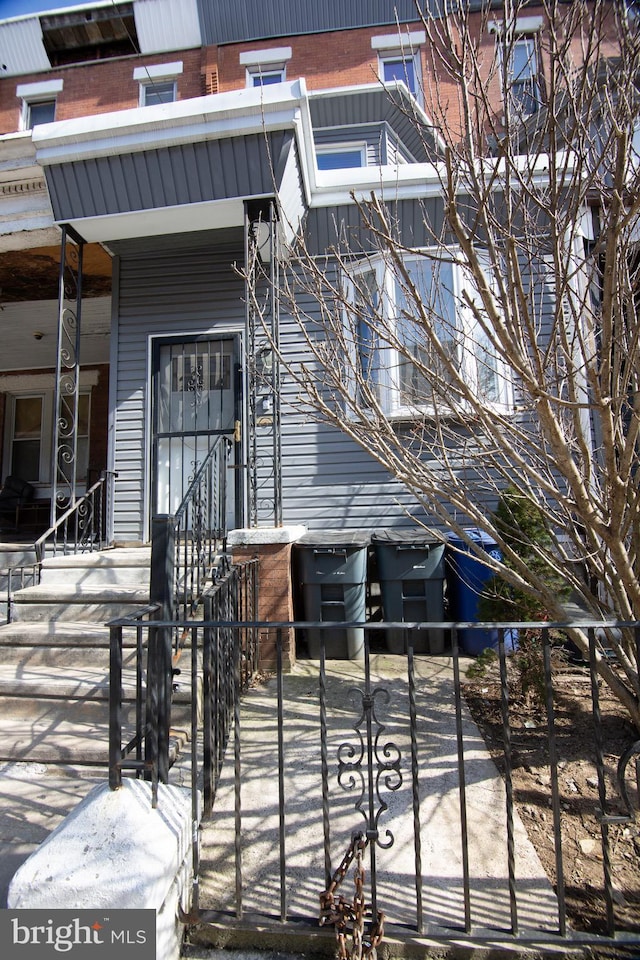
54 688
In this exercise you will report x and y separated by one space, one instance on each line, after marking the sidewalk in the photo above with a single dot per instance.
440 831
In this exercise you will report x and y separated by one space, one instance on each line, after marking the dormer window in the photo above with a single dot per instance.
341 156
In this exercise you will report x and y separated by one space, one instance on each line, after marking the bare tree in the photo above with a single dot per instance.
503 348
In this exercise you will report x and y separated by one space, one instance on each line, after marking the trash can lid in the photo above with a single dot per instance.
414 537
475 534
321 539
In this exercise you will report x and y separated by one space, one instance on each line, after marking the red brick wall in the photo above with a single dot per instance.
275 599
99 87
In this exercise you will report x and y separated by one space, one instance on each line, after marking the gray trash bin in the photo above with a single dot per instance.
332 571
411 573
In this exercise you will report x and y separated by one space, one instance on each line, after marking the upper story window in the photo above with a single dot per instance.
399 59
341 156
521 68
38 102
158 83
407 359
265 67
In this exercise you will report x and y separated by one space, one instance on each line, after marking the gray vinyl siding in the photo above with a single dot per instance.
230 21
183 174
168 286
328 227
328 480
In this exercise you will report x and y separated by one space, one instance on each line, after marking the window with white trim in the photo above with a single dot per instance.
341 156
399 59
264 67
523 91
395 360
157 91
524 76
400 68
158 82
29 435
38 102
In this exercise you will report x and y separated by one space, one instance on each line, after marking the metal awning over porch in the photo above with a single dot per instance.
179 167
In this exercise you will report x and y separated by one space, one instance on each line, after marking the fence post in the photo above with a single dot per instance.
159 672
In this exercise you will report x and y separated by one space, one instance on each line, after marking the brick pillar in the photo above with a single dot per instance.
272 547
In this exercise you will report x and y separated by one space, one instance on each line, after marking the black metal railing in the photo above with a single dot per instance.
220 662
83 528
186 547
377 759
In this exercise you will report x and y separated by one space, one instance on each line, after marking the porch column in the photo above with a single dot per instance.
271 546
65 437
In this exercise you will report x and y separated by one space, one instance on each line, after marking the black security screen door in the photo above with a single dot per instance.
196 399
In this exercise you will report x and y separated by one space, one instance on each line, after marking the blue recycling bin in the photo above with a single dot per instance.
466 579
332 569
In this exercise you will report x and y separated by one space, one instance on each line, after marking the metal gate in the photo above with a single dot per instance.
361 796
196 390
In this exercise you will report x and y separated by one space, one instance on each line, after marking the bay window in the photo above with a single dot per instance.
418 336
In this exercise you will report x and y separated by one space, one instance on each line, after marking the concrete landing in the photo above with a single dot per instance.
439 798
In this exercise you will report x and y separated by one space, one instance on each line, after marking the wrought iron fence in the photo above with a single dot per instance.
338 763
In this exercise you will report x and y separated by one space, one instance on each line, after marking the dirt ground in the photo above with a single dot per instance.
582 848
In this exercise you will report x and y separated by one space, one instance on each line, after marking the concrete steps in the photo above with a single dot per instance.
54 658
54 690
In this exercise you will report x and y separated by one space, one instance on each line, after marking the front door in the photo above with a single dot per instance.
196 400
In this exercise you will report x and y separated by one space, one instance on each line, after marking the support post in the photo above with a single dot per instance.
160 672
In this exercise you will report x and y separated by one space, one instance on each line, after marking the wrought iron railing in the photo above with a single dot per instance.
223 659
342 762
84 527
188 546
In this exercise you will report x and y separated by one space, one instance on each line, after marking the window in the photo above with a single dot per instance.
39 112
523 75
265 67
26 443
260 77
399 68
158 82
340 157
158 91
38 102
399 58
524 89
394 360
29 435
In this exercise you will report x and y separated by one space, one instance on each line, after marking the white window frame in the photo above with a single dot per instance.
158 73
31 94
271 62
46 428
395 47
47 396
526 30
386 373
335 149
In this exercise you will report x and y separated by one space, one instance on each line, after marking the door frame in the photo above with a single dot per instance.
238 458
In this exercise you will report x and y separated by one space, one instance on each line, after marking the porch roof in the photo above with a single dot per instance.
189 165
